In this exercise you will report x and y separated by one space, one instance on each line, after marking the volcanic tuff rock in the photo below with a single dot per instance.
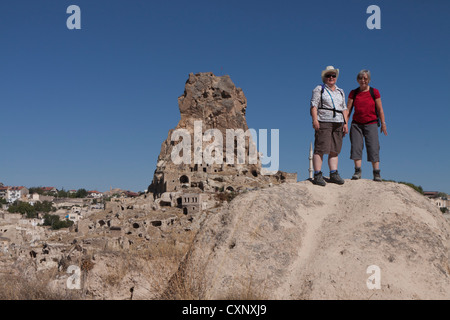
301 241
214 100
218 104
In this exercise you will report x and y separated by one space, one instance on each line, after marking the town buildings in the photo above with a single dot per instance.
441 200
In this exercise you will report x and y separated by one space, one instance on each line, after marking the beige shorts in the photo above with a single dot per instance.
328 139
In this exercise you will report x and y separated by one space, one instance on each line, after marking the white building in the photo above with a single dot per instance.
441 200
4 244
73 216
95 194
31 222
15 193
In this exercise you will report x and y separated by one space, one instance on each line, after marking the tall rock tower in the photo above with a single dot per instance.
213 103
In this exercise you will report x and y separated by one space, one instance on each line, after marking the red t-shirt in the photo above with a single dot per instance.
364 106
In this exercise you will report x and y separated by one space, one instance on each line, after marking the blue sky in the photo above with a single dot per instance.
90 108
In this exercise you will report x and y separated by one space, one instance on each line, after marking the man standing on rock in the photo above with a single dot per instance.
329 116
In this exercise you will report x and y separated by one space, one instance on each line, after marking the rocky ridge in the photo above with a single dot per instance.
301 241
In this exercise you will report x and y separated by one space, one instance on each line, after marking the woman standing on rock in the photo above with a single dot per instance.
329 119
367 117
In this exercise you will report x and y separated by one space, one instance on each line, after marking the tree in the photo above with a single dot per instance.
62 193
50 219
37 190
442 195
44 206
23 208
54 221
81 193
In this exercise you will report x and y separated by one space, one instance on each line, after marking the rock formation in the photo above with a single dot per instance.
214 103
253 239
296 241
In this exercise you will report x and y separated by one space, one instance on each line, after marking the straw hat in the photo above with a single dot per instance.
330 69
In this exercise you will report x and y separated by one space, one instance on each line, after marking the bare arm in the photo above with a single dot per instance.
380 111
316 124
349 108
345 114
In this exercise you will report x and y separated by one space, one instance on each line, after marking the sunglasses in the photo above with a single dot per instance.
330 76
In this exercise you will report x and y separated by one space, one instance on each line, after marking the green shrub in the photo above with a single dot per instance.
23 208
417 188
409 184
55 222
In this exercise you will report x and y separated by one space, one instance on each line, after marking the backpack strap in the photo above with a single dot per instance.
372 93
355 92
334 108
321 93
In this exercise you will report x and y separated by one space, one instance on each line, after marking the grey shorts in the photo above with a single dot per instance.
328 139
368 133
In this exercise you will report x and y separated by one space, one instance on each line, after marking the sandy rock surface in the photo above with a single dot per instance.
301 241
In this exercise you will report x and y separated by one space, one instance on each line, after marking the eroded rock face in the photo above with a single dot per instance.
296 241
214 103
214 100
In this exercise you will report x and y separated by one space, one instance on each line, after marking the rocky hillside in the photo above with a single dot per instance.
291 241
301 241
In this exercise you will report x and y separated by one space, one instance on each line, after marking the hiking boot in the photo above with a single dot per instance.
376 175
318 179
335 178
357 174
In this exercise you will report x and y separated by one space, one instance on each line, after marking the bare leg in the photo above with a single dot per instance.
317 161
333 161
